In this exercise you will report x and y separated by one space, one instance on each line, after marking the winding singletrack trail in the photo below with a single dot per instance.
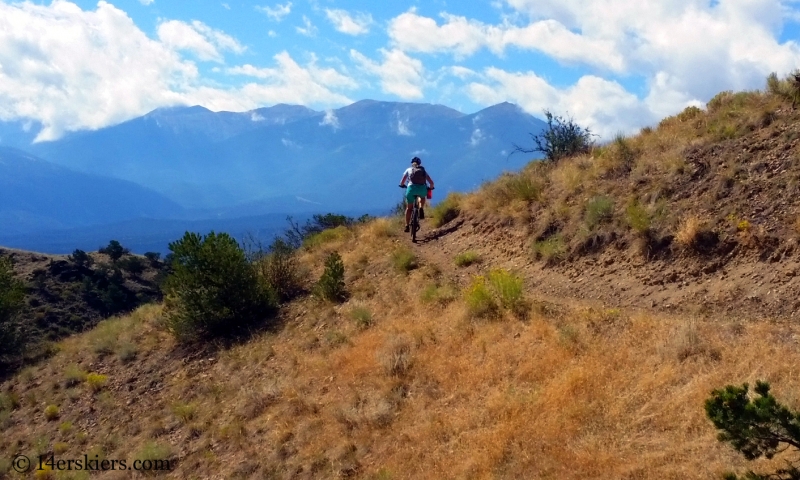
741 287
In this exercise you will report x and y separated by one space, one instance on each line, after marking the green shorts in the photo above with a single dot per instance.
411 190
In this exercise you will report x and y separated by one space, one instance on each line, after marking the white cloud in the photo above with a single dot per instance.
402 125
256 117
330 119
71 69
198 38
463 37
308 29
346 23
400 74
476 138
226 6
288 82
603 106
146 2
278 12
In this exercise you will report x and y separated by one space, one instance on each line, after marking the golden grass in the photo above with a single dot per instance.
581 394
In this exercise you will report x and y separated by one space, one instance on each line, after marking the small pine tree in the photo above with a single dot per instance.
755 427
212 290
114 250
80 258
331 284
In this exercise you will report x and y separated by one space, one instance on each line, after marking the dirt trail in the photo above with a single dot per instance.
742 287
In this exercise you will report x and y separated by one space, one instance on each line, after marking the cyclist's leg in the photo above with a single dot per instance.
409 205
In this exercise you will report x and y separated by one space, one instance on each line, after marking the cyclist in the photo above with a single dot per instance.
417 177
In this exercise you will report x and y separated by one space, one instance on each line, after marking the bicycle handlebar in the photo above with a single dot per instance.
403 186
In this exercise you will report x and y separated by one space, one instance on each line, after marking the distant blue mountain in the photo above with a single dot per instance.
36 195
289 158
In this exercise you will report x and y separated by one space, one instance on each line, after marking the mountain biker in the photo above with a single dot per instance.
416 176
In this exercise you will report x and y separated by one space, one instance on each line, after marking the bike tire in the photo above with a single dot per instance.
414 222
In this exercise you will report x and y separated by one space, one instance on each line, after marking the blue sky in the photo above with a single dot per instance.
613 65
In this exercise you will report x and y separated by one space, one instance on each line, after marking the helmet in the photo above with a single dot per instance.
416 160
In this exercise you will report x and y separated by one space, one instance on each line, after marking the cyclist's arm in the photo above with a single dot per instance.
430 180
403 181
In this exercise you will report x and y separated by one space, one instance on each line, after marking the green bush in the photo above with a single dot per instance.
480 302
404 260
114 250
441 294
213 290
467 258
51 412
362 317
326 236
551 249
507 286
446 211
757 427
599 209
787 89
637 217
331 284
80 258
561 138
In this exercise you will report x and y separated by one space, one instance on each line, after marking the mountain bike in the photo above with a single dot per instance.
414 223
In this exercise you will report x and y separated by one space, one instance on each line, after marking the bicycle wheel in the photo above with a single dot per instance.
414 222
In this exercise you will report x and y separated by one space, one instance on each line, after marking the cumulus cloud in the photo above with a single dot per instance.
346 23
278 12
603 106
198 38
71 69
399 74
462 37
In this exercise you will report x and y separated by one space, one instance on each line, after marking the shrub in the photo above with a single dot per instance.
404 260
213 290
153 258
114 250
467 258
65 427
637 217
134 265
599 209
515 186
80 258
689 231
331 284
755 427
96 381
8 401
326 236
73 375
550 249
51 412
60 447
787 89
184 411
280 271
396 357
508 287
441 294
362 317
446 210
561 138
479 299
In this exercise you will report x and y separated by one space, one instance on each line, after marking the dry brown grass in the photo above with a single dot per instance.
689 231
582 393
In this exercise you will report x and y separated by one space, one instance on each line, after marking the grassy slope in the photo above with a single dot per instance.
402 382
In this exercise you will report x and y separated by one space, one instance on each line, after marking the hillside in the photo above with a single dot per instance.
652 270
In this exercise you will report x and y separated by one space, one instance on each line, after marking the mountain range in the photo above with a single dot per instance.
191 163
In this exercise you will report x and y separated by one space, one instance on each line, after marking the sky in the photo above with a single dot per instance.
613 66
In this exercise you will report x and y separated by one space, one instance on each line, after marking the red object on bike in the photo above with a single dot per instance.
430 193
